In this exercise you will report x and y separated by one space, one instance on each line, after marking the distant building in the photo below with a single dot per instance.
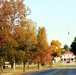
68 57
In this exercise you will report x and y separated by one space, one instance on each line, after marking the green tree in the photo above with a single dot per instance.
66 47
73 46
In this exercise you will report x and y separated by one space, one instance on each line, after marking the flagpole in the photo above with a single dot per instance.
68 37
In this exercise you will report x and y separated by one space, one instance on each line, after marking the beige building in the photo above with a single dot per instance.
68 57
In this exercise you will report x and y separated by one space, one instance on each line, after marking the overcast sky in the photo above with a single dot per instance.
57 16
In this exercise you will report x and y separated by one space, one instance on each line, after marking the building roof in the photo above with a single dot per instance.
68 52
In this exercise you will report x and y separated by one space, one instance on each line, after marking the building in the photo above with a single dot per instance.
68 57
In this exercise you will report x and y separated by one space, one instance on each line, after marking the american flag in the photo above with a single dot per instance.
68 33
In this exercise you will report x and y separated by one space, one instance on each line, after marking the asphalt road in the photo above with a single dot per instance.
55 72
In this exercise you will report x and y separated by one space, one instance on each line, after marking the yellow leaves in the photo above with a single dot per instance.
19 34
13 35
22 53
42 38
31 31
9 40
56 48
56 43
59 53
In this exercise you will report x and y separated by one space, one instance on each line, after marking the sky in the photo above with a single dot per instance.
57 16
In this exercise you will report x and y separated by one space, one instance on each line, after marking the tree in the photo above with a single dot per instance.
42 38
63 50
56 48
12 14
42 45
66 47
56 43
6 41
73 46
26 38
20 36
31 38
47 57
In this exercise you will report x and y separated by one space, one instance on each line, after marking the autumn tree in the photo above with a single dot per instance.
62 50
26 38
12 14
31 38
6 41
42 45
47 57
19 36
31 35
56 48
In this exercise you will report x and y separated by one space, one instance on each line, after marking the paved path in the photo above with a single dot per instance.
56 72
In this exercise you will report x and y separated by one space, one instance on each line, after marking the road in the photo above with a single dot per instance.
55 72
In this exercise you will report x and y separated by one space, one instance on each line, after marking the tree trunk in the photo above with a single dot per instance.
24 66
1 65
14 65
0 68
38 65
32 65
11 65
27 65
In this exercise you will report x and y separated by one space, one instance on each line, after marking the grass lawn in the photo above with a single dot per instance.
64 65
18 71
